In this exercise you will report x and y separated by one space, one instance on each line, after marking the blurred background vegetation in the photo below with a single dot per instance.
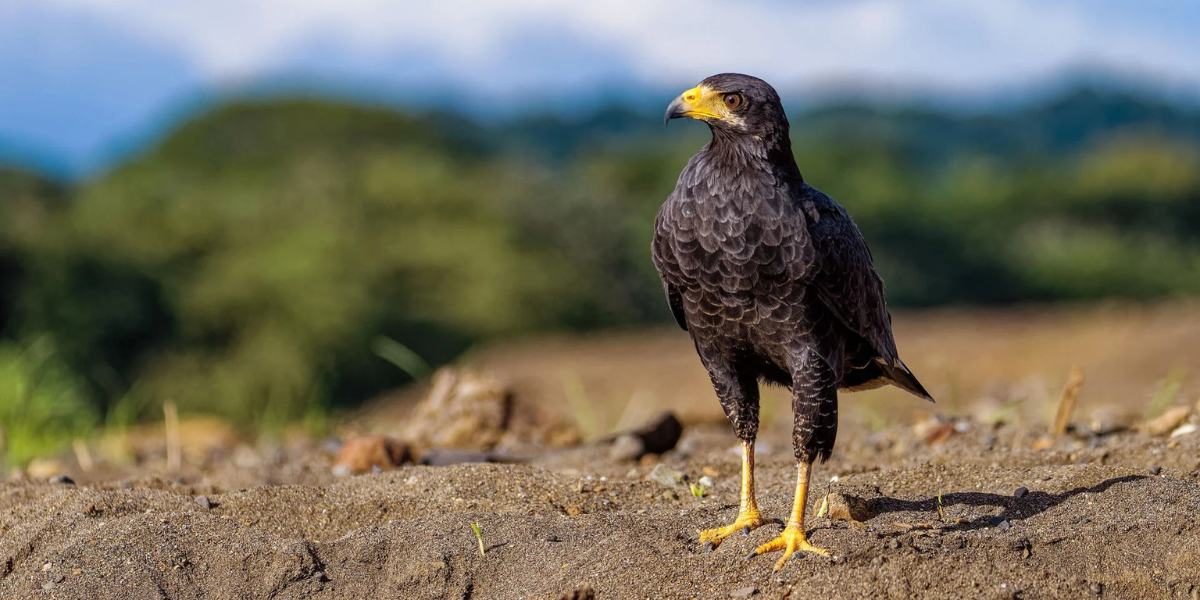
271 260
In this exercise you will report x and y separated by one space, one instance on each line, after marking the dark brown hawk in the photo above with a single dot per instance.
774 282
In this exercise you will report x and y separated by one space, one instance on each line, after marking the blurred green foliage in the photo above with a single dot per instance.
43 405
250 263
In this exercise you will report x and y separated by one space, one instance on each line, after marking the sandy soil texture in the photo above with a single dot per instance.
1111 517
977 503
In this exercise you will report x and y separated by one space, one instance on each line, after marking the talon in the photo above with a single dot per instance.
745 522
791 540
709 547
752 554
779 563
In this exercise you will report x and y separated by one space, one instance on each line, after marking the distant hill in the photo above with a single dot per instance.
255 259
1062 125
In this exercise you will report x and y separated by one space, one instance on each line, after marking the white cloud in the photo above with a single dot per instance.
941 42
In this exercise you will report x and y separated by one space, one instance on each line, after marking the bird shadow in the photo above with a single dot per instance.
1014 509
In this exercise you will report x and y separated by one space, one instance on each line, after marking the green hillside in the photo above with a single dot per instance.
250 262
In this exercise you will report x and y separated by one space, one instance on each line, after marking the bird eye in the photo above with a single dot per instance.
733 100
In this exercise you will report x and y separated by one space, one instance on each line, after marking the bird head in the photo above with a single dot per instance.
733 103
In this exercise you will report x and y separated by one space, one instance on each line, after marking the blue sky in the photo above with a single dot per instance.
80 79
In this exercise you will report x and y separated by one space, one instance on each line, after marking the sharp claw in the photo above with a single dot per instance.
778 521
746 530
709 547
752 554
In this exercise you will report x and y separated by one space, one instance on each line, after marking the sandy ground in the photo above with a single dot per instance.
1096 521
1112 515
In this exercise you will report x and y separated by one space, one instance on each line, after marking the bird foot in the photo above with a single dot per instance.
747 520
790 540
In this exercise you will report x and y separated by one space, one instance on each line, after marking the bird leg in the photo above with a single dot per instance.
748 516
792 538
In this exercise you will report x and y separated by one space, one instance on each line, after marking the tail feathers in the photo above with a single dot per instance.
901 377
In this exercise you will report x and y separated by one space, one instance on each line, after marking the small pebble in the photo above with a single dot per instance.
662 474
375 469
707 481
627 447
1155 470
1001 523
1097 588
1020 492
204 502
745 592
894 544
63 479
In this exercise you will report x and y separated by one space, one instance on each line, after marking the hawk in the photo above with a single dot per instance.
773 282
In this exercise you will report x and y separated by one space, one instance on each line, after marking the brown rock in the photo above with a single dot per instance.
844 507
361 454
933 430
1166 423
463 410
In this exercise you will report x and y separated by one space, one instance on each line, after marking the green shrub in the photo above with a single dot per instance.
43 406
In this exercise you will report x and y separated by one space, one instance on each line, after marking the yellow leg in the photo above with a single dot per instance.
792 538
748 516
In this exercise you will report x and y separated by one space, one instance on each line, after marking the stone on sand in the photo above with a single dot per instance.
662 474
1167 422
845 507
362 454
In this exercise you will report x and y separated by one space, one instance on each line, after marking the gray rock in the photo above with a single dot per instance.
664 475
627 447
745 592
1020 492
204 502
62 479
1155 470
707 481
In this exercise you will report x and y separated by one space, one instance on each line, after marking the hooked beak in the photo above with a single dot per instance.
676 109
694 104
